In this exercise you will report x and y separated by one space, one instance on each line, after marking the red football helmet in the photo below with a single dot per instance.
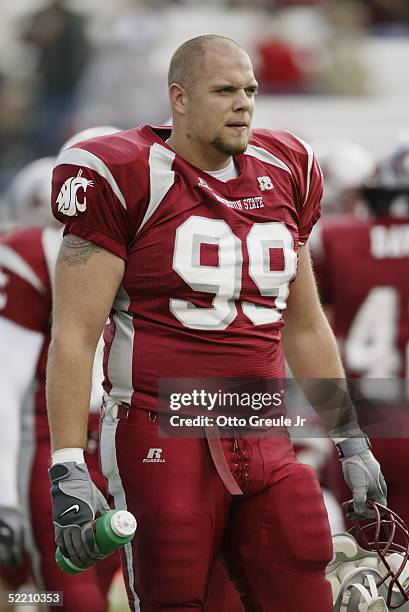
370 569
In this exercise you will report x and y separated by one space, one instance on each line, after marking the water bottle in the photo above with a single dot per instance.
112 530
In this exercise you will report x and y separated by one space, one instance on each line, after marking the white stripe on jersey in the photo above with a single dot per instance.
120 358
162 177
51 240
310 154
85 159
266 156
15 263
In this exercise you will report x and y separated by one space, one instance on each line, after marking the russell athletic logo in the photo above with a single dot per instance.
154 456
67 201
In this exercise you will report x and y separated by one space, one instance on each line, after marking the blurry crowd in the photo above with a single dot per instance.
66 65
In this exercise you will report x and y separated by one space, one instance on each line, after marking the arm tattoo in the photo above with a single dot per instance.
76 251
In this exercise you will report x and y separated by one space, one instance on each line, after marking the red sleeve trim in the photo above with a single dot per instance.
304 237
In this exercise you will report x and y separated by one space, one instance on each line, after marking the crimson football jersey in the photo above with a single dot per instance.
208 263
27 262
362 269
27 258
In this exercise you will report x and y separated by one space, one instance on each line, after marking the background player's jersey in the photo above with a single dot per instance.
27 262
363 274
208 264
27 257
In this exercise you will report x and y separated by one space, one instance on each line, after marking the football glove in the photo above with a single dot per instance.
362 474
11 536
76 501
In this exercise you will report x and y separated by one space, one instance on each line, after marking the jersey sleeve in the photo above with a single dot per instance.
311 204
24 281
309 183
307 177
88 201
98 192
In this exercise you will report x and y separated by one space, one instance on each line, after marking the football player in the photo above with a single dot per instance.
362 267
27 262
188 237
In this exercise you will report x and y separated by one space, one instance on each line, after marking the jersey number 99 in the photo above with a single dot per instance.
225 279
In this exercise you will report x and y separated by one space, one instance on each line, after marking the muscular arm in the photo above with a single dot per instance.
87 279
312 354
310 346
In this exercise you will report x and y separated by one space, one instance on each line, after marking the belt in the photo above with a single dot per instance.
219 460
119 411
112 410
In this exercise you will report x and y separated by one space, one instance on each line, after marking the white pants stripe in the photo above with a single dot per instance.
111 472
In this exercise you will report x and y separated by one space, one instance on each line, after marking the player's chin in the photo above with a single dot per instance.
233 145
239 147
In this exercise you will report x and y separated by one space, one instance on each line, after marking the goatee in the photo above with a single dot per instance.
228 148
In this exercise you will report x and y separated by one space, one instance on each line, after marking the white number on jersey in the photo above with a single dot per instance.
261 238
225 279
371 344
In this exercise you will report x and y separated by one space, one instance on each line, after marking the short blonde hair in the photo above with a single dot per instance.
185 61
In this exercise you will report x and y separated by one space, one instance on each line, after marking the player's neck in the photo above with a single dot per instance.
208 160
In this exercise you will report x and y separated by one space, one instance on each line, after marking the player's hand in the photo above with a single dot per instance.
76 501
363 475
11 535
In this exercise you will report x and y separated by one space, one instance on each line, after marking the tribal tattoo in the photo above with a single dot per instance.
76 251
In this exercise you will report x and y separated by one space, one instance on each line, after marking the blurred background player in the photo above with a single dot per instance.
27 261
362 267
346 165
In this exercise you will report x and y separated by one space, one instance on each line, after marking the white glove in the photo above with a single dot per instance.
362 474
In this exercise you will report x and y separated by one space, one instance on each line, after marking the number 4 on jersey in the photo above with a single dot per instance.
371 346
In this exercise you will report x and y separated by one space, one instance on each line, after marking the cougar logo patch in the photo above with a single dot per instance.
67 201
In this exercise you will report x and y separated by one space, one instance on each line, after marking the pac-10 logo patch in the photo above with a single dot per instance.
264 182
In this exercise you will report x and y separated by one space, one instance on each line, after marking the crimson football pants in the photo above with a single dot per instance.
83 592
275 538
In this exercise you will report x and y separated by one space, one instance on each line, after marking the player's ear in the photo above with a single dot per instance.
178 98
